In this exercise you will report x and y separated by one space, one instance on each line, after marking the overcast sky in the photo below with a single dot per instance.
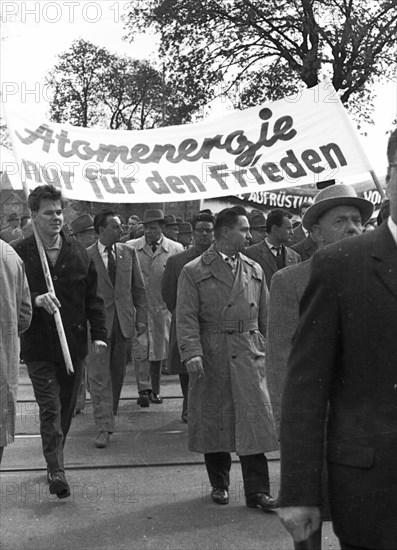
34 33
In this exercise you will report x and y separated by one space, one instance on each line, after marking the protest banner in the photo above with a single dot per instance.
295 141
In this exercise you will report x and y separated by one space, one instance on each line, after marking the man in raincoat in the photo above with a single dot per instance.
16 314
221 322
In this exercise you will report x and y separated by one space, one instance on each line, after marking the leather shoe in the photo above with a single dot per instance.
143 400
261 500
102 440
58 484
155 398
220 496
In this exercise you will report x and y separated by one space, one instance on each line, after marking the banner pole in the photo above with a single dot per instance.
378 185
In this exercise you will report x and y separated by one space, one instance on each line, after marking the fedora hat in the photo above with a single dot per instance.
256 219
185 227
336 195
153 216
84 222
170 220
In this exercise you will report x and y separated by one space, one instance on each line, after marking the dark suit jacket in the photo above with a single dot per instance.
305 248
128 296
344 360
76 287
299 235
169 288
262 254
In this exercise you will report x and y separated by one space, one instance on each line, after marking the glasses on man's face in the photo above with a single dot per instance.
207 231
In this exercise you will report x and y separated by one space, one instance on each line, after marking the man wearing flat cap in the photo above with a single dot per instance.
153 250
337 213
13 231
343 361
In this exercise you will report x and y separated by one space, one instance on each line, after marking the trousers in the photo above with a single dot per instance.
254 468
56 393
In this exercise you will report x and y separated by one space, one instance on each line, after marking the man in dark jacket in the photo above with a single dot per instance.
273 253
340 391
203 235
75 284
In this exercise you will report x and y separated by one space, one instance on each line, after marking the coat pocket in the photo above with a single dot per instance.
350 455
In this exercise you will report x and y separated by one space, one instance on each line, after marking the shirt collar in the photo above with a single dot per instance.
102 247
56 245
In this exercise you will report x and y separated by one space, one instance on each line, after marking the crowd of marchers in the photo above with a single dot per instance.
282 334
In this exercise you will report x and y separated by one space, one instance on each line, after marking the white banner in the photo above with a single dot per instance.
298 140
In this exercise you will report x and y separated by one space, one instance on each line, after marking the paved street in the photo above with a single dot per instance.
144 491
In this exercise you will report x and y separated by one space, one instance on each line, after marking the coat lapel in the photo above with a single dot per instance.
218 267
267 255
384 254
242 278
100 266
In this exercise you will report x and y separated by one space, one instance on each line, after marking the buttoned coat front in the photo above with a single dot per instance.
128 296
76 287
262 254
229 407
159 316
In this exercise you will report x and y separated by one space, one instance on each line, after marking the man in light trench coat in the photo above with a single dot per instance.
153 251
221 322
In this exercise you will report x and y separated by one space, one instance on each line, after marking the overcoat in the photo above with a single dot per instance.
169 291
262 254
16 314
222 318
128 296
343 362
159 316
76 287
286 291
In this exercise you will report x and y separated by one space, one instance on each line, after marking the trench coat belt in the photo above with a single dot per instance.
229 327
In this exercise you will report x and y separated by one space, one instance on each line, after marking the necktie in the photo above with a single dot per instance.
153 247
111 265
278 250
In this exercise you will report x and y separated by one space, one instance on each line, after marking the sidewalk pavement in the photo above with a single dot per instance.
144 491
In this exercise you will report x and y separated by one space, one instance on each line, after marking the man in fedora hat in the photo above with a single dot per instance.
273 253
257 223
343 361
153 250
171 227
13 231
337 213
185 234
82 229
